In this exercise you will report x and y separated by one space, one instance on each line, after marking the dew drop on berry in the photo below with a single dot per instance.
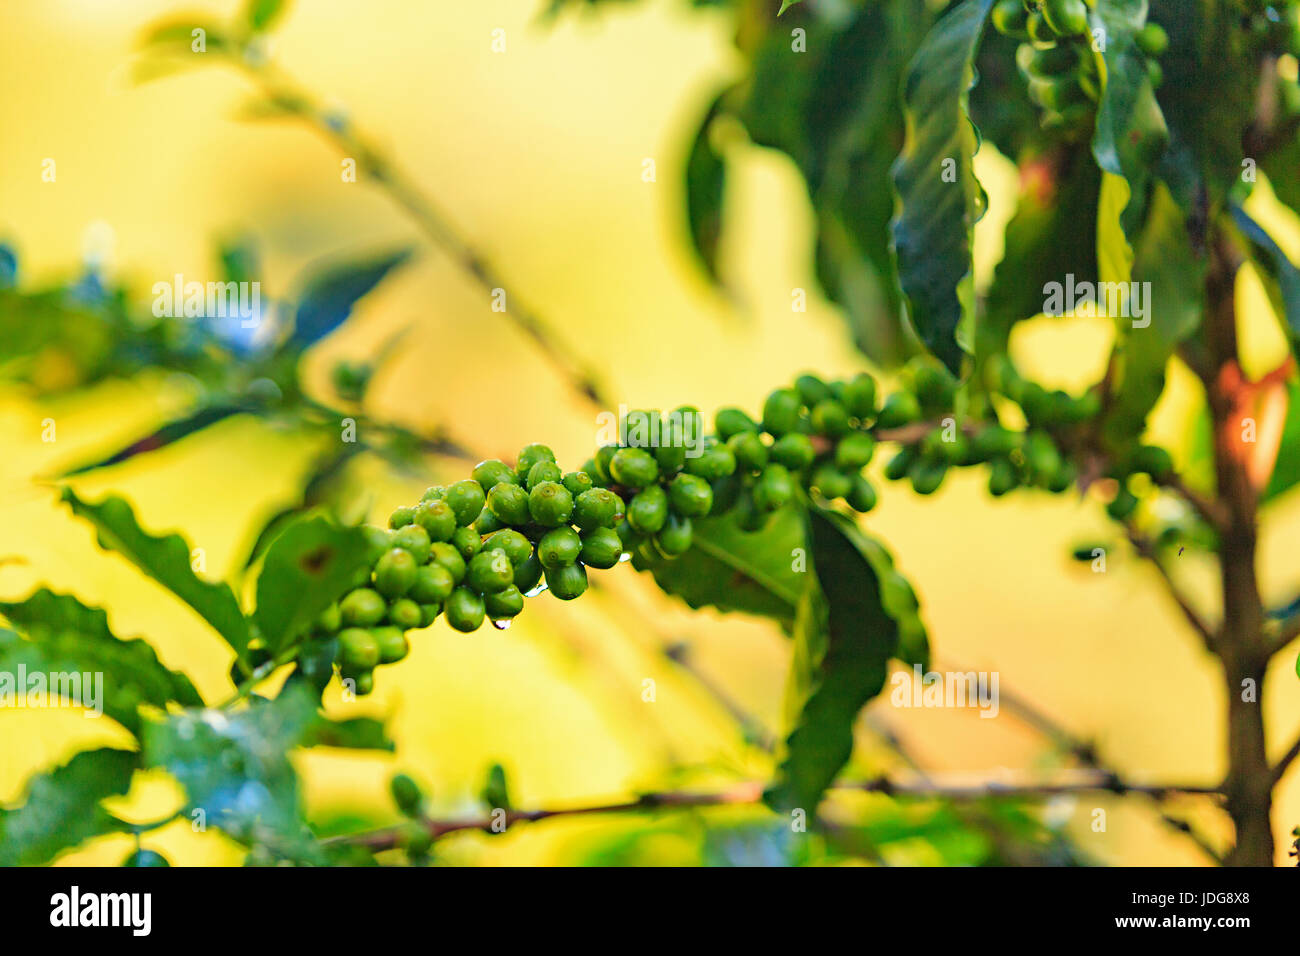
502 624
625 557
537 589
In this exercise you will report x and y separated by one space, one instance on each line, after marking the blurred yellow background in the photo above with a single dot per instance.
537 154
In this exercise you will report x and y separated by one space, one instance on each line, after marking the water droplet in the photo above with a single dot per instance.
625 557
501 625
541 586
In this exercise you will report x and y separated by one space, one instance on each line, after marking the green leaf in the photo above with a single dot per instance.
331 290
496 788
307 568
356 733
734 570
843 642
168 434
235 767
76 655
1130 135
62 808
166 559
261 14
1286 470
1276 266
1165 259
706 178
786 5
940 197
1051 235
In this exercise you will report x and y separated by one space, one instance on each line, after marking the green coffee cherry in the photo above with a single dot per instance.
830 418
831 482
1052 61
437 519
674 538
725 491
1154 461
750 452
429 613
927 475
509 503
401 517
853 452
576 482
794 450
749 517
464 610
550 504
489 572
363 607
529 456
1002 477
900 408
466 499
406 794
716 462
993 442
543 471
601 548
1152 39
492 472
486 522
1123 504
330 619
146 858
1039 30
897 467
433 584
596 508
648 510
781 411
364 681
559 547
1041 456
391 642
774 488
733 421
528 573
358 649
811 389
1056 93
862 496
860 396
504 604
1010 18
631 538
467 542
446 555
404 613
515 545
604 458
433 493
690 496
634 468
414 539
395 573
567 582
1067 18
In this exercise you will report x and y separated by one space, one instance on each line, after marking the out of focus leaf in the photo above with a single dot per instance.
1277 266
1286 470
496 788
735 570
307 568
166 559
1165 259
706 175
935 178
235 767
62 810
166 435
844 639
261 14
356 733
330 292
8 267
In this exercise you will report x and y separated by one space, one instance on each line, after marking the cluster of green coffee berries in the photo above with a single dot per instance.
1057 58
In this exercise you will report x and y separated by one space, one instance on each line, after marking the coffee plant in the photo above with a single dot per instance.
1141 131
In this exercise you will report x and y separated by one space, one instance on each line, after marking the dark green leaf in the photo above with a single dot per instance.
62 808
1286 470
307 568
166 559
162 437
706 176
843 642
357 733
330 292
1277 266
735 570
935 178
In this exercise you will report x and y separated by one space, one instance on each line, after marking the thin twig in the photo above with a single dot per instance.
751 793
1144 547
1280 768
